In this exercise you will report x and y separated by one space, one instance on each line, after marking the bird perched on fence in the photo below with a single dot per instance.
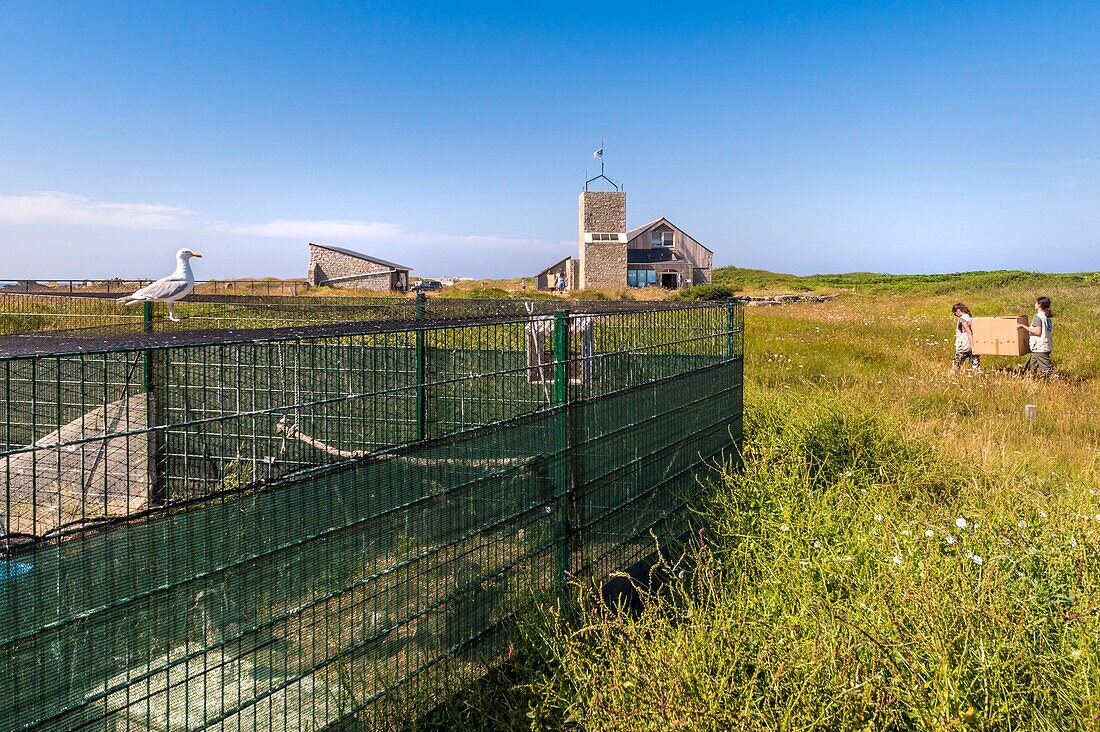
168 289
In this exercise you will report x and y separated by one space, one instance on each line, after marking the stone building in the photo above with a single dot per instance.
345 268
609 256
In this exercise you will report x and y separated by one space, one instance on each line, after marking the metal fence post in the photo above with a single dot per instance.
421 390
731 327
563 499
157 441
561 357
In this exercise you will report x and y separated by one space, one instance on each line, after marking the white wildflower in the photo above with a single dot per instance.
949 539
960 522
1022 524
784 527
817 545
1042 513
878 517
929 533
1073 542
804 564
844 559
847 473
976 558
905 532
897 559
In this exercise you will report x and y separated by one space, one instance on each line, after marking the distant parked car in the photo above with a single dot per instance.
426 286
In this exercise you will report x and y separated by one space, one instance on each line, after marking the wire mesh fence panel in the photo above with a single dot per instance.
301 533
74 318
50 321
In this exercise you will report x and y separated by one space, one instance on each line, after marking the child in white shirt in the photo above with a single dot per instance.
964 339
1041 340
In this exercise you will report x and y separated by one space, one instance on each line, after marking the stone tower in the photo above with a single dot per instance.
602 240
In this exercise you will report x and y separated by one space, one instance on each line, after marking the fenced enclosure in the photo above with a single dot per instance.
53 321
119 286
333 526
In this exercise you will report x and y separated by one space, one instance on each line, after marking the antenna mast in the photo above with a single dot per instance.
617 185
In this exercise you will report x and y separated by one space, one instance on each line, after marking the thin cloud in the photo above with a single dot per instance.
315 230
54 207
1065 164
475 240
336 231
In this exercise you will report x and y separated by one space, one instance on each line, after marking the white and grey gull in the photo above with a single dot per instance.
175 286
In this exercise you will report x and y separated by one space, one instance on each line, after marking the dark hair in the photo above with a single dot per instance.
1044 302
960 306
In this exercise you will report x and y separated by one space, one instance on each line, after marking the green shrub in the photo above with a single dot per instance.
482 293
588 295
698 293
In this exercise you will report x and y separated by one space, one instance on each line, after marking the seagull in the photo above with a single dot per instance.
175 286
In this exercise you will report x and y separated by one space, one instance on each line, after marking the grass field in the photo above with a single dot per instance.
904 549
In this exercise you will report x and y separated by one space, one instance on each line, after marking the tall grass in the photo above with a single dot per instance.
853 578
751 280
903 548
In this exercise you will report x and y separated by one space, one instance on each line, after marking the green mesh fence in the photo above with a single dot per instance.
55 320
333 532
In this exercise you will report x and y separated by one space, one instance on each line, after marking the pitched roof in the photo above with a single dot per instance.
555 265
635 233
359 255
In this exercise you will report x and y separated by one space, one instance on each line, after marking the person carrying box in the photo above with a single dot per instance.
1041 341
964 339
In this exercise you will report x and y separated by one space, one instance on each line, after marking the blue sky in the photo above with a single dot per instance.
454 137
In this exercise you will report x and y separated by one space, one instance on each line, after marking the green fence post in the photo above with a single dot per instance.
157 440
147 316
563 528
421 391
731 320
561 357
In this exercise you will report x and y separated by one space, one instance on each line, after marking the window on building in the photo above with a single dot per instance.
603 236
662 238
640 277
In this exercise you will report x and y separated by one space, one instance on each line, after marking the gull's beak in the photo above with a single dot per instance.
196 254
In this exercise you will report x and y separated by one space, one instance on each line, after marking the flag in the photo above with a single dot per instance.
598 154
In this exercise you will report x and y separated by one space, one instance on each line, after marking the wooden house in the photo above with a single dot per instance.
660 253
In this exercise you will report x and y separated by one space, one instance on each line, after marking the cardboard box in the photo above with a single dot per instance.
1000 336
